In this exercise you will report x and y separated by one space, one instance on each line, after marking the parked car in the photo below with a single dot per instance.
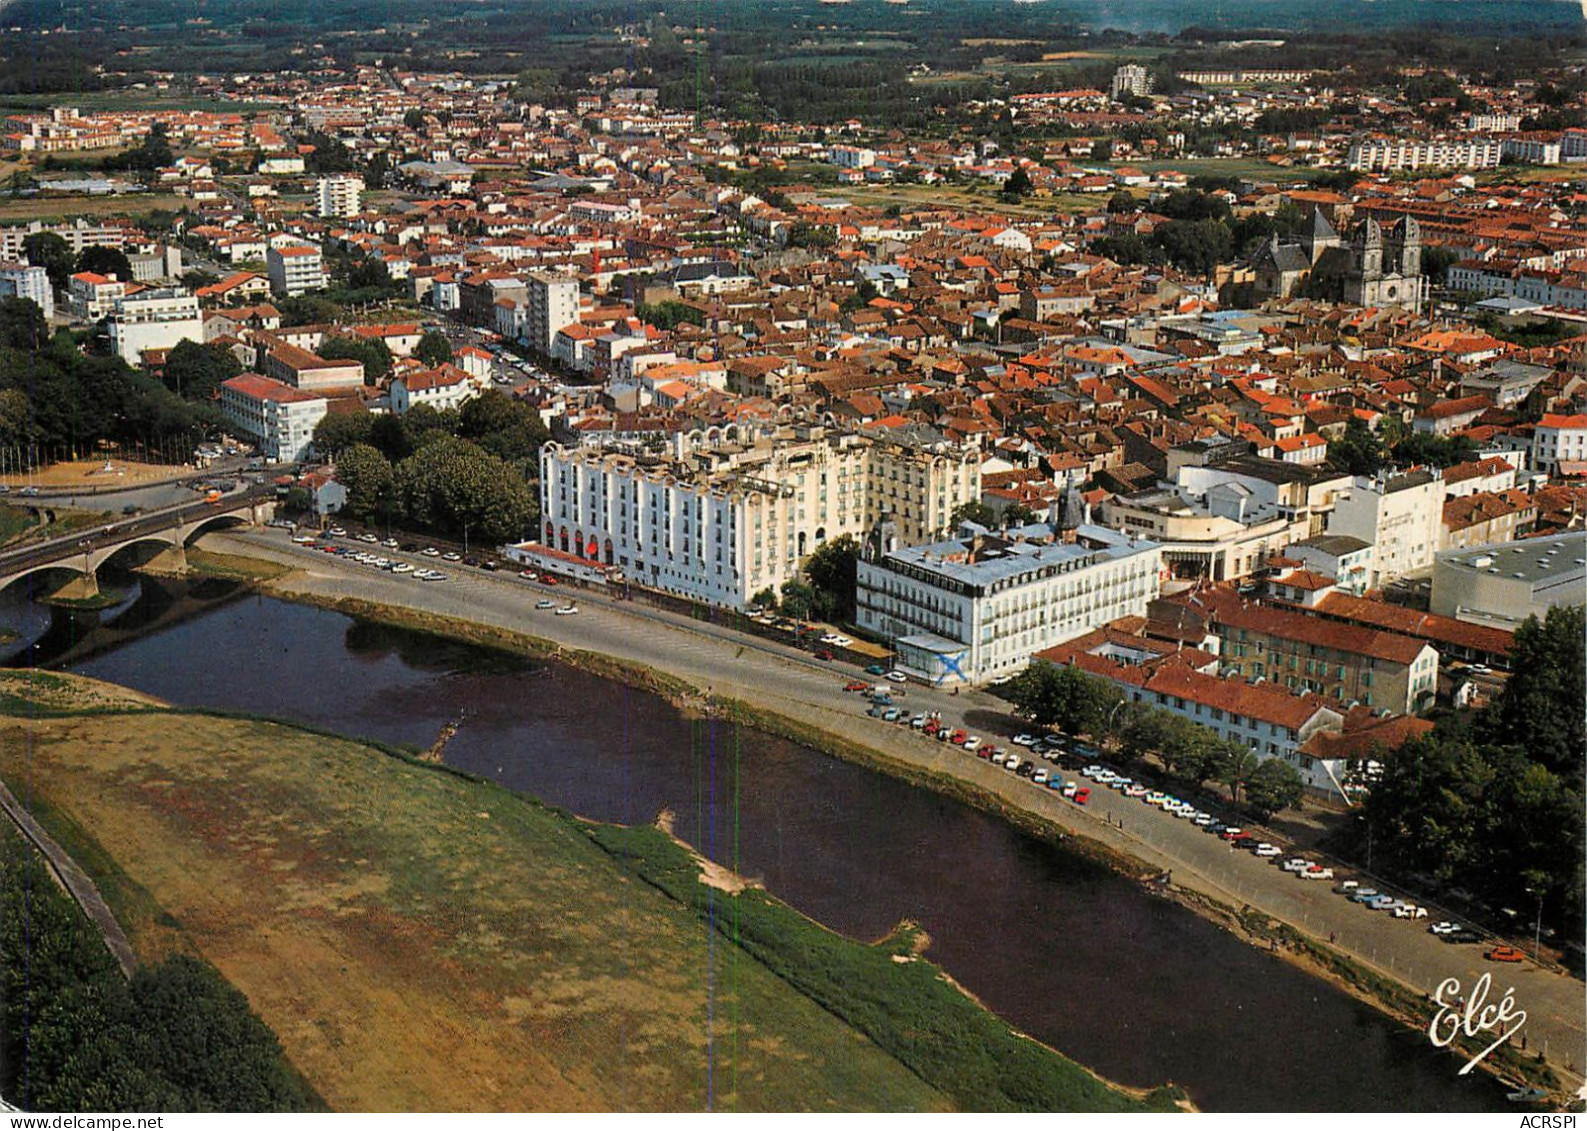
1039 777
1082 795
972 744
1361 895
450 556
567 610
1318 872
1462 935
891 715
1504 954
1443 927
856 685
824 654
545 604
1267 851
1410 911
896 676
1232 831
875 669
1025 740
1296 864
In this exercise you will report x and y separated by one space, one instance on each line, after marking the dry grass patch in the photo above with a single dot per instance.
419 940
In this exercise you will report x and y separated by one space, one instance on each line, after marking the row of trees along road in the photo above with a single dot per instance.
1076 703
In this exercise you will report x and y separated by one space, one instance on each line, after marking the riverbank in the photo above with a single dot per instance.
774 710
420 938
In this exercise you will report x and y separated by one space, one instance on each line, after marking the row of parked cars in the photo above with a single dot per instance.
1300 866
365 557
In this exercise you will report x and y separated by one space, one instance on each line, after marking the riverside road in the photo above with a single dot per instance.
786 681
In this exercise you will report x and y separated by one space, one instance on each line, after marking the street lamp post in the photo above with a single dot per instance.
1537 931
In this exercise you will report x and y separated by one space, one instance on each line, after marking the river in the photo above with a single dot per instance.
1129 984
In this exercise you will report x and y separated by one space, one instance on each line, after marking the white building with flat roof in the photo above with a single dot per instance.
1401 515
26 281
296 269
1503 583
154 319
339 195
976 607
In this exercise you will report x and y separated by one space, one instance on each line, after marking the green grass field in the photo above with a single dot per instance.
422 940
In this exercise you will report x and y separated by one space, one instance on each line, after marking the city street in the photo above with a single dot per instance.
785 681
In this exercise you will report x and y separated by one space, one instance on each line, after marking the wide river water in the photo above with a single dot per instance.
1129 984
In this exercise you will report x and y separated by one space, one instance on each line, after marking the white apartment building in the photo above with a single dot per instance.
1389 155
1402 516
730 512
296 269
276 415
1496 122
975 608
1559 439
94 296
26 281
1132 79
553 304
154 319
1533 150
339 194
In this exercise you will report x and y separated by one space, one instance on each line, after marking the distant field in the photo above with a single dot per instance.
1253 167
963 198
130 100
424 942
64 208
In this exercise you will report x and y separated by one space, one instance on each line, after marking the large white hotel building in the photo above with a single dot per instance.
729 512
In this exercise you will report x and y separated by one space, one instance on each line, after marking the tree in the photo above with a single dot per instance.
308 310
1272 786
1541 703
508 429
1064 697
22 324
1357 452
798 600
338 431
1121 202
372 352
369 273
831 569
1102 150
973 511
433 349
1236 765
454 486
369 480
195 371
1435 451
105 261
51 252
765 599
1018 186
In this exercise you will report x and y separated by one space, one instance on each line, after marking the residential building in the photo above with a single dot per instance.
553 304
1345 559
154 319
1559 444
339 195
26 281
1131 79
296 269
1350 664
1272 722
441 388
278 417
1401 515
94 296
975 607
1503 583
1393 155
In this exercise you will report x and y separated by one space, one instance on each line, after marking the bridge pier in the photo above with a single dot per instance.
170 562
83 587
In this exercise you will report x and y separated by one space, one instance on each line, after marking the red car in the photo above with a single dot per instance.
856 685
1504 954
548 580
1082 795
824 654
959 738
